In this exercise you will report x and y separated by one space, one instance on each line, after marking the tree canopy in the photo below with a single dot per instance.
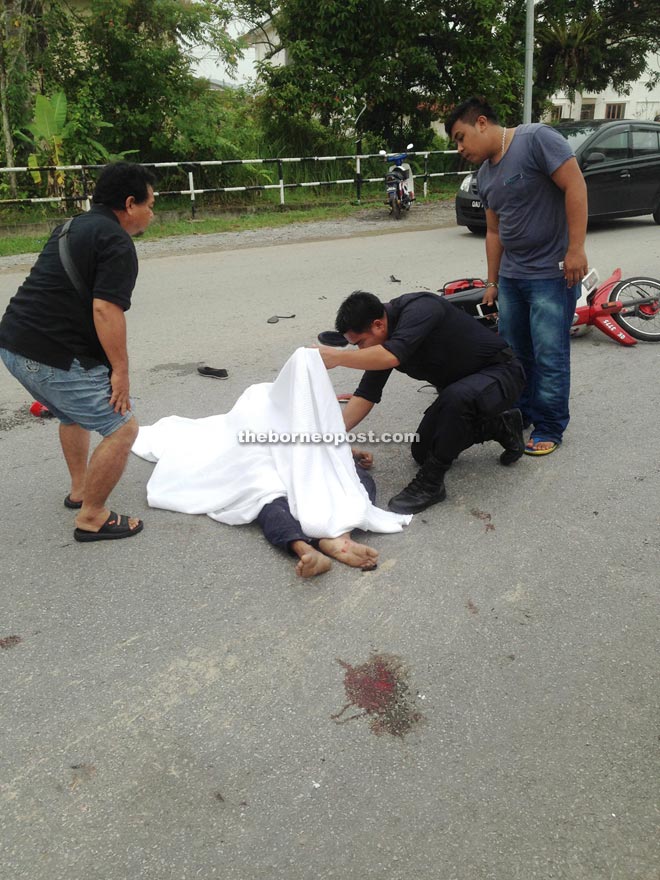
371 69
407 64
588 45
125 67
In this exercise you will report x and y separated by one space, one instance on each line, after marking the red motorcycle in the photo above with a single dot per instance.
627 310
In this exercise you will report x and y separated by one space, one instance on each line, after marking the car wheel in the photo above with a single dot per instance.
479 229
656 215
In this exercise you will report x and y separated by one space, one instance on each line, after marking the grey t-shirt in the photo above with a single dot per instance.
530 208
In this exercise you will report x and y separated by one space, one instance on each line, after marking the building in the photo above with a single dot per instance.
640 103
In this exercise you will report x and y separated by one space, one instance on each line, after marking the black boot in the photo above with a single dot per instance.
507 430
426 488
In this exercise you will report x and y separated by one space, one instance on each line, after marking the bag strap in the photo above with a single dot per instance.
67 262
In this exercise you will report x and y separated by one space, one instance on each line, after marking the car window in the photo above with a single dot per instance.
613 145
645 143
575 134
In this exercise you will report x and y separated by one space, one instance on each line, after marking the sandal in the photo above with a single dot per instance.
534 450
71 504
116 526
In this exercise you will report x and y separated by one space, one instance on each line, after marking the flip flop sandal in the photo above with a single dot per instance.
72 505
213 373
531 450
275 318
113 528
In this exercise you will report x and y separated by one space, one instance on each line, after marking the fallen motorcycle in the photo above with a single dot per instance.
626 310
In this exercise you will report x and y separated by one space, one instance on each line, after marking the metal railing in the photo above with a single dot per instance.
81 186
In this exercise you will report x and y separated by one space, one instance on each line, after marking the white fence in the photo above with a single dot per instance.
80 178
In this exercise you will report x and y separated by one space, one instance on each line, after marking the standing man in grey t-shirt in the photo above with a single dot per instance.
536 213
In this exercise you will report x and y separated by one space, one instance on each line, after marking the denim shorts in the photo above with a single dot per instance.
75 396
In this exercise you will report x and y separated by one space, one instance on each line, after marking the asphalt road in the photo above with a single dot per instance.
181 706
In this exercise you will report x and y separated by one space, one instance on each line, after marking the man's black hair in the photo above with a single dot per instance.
469 111
119 181
358 312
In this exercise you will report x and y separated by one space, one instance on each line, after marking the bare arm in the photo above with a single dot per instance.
494 251
373 358
110 325
355 410
570 181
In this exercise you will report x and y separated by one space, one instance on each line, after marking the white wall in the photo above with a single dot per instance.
639 104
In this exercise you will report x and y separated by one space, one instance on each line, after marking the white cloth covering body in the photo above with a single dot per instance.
203 468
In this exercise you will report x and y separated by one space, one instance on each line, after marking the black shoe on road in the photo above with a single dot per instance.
331 337
509 434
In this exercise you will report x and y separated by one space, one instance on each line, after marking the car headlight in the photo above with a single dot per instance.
466 183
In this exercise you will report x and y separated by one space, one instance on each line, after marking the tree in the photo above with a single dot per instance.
587 45
21 34
409 64
404 64
134 66
57 141
125 67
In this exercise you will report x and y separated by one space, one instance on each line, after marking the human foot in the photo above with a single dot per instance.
312 563
116 526
540 447
345 550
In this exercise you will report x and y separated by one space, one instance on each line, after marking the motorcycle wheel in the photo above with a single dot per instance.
641 321
395 206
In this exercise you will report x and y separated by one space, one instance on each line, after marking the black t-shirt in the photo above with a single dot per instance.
47 320
434 341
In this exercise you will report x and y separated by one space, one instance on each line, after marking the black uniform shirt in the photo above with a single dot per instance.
434 341
47 320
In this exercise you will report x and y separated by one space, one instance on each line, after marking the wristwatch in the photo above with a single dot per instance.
491 284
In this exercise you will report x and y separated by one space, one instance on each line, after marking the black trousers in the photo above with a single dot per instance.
281 528
461 414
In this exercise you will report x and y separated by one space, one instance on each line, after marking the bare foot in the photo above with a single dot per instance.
312 563
345 550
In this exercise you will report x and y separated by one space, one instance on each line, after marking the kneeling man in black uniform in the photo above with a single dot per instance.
477 376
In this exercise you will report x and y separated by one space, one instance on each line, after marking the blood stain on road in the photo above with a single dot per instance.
9 642
485 518
380 689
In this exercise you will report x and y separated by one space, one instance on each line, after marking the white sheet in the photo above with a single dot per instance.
203 468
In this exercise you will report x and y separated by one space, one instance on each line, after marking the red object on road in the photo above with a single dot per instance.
41 411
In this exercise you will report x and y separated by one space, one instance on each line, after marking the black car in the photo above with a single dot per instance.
620 161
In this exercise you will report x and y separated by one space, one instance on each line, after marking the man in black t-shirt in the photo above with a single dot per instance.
476 374
63 336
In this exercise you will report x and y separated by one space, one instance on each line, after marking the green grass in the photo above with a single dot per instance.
266 215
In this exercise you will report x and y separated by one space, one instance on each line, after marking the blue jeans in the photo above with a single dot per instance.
75 396
535 319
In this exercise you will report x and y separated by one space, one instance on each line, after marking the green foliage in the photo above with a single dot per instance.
48 129
134 71
407 65
395 67
56 141
588 45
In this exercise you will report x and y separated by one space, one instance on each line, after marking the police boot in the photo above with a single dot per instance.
425 489
507 430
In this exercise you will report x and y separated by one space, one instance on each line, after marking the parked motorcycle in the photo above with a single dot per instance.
399 183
